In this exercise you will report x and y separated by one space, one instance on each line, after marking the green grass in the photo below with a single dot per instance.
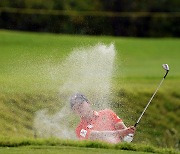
46 145
25 57
60 149
27 86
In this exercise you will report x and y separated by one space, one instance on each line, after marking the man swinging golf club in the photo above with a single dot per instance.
103 125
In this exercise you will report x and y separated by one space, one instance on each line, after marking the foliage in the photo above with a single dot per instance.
145 25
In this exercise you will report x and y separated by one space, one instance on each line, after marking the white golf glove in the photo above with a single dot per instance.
128 138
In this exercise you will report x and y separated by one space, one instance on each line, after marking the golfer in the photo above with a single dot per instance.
103 125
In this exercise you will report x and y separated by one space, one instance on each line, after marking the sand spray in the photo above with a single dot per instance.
87 70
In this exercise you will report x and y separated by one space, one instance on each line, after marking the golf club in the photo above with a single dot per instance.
129 137
166 67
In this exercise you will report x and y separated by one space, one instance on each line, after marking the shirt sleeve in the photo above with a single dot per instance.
115 118
82 133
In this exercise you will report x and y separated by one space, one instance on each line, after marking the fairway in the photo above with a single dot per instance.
31 78
29 61
62 150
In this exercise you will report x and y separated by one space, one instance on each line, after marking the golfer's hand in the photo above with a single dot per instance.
129 130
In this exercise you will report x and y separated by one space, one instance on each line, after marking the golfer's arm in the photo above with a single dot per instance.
120 125
109 136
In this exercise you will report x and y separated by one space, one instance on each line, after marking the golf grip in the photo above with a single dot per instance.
151 99
135 124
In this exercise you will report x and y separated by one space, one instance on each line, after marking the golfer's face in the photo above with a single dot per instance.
81 108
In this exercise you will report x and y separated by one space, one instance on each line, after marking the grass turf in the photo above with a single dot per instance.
61 149
25 56
45 145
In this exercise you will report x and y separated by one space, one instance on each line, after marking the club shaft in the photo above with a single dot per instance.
148 103
166 74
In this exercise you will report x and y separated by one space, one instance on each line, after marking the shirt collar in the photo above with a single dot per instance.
96 114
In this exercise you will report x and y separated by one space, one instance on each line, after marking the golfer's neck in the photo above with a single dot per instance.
88 116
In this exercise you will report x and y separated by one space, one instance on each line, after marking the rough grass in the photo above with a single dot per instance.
16 142
61 149
18 112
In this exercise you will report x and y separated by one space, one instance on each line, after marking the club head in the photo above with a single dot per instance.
166 67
